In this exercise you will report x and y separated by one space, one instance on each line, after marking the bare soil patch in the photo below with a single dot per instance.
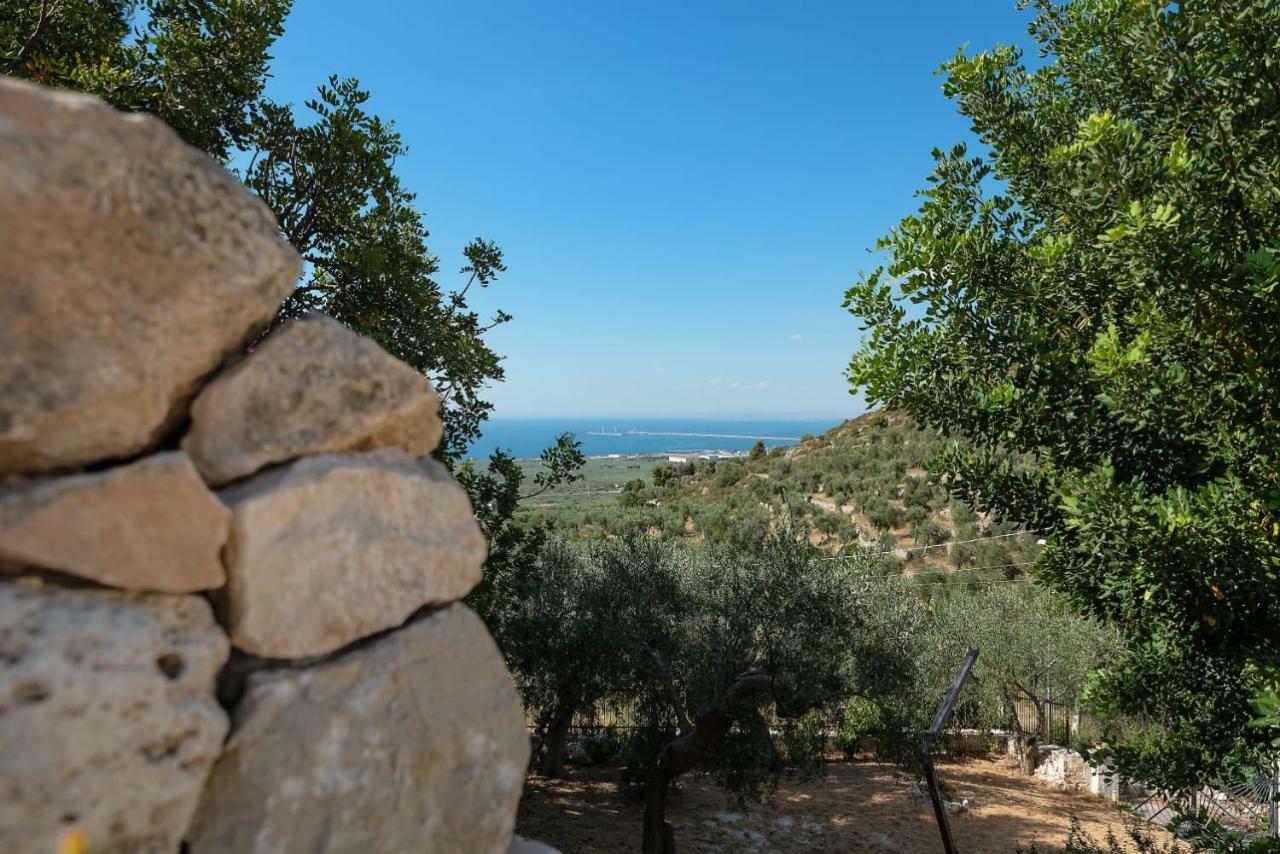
847 807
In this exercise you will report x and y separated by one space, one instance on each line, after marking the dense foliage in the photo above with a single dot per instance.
200 67
724 659
1096 290
740 660
862 486
1033 651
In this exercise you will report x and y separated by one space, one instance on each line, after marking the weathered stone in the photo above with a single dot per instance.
131 265
150 525
414 742
313 387
328 549
1062 768
576 753
520 845
107 718
1104 780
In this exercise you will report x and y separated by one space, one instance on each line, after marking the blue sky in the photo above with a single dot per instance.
683 190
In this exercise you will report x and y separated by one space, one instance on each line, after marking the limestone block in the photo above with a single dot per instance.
151 525
313 387
413 742
328 549
108 722
131 265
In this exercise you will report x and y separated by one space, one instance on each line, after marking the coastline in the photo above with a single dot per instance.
524 439
713 454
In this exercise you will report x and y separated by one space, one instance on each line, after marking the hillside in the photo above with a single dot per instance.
864 484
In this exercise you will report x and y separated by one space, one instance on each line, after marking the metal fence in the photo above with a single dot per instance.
1248 801
1057 723
618 716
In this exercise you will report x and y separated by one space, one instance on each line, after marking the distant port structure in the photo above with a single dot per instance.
615 432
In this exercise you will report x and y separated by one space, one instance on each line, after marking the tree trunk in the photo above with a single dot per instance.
758 728
553 745
680 754
1029 756
1025 743
1029 751
658 836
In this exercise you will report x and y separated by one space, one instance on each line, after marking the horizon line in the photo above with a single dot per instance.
804 416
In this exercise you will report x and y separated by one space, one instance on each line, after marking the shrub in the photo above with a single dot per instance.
1137 839
859 720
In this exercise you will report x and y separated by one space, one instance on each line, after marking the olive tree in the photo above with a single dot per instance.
772 635
1033 648
579 623
1094 291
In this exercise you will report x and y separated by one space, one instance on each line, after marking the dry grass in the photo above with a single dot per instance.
850 807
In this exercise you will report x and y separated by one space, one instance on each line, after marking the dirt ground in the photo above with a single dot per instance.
849 807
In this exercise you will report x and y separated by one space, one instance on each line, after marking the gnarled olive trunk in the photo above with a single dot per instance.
1025 743
681 753
557 736
659 837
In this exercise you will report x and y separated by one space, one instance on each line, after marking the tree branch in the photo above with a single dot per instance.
710 723
664 674
536 492
47 13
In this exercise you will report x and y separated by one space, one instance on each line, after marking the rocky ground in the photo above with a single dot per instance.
849 807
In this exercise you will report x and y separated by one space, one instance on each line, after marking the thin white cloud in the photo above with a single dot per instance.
796 336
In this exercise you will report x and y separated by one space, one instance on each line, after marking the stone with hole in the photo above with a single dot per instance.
108 722
151 525
131 265
313 387
520 845
413 742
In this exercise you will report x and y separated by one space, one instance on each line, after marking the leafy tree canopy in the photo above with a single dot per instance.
198 66
728 657
327 173
496 489
1096 290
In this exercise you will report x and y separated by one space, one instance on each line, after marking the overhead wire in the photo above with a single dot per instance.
938 545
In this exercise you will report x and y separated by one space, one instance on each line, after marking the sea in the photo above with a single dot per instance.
602 437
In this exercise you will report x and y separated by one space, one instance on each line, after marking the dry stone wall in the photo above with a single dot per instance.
179 516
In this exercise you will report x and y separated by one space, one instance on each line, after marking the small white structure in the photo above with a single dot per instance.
1104 781
1062 768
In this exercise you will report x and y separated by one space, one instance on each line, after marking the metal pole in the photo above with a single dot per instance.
939 808
1048 712
1273 819
930 736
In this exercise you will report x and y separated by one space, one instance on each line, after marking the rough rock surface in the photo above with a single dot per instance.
150 525
131 264
414 742
313 387
1062 768
328 549
1104 780
520 845
107 718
